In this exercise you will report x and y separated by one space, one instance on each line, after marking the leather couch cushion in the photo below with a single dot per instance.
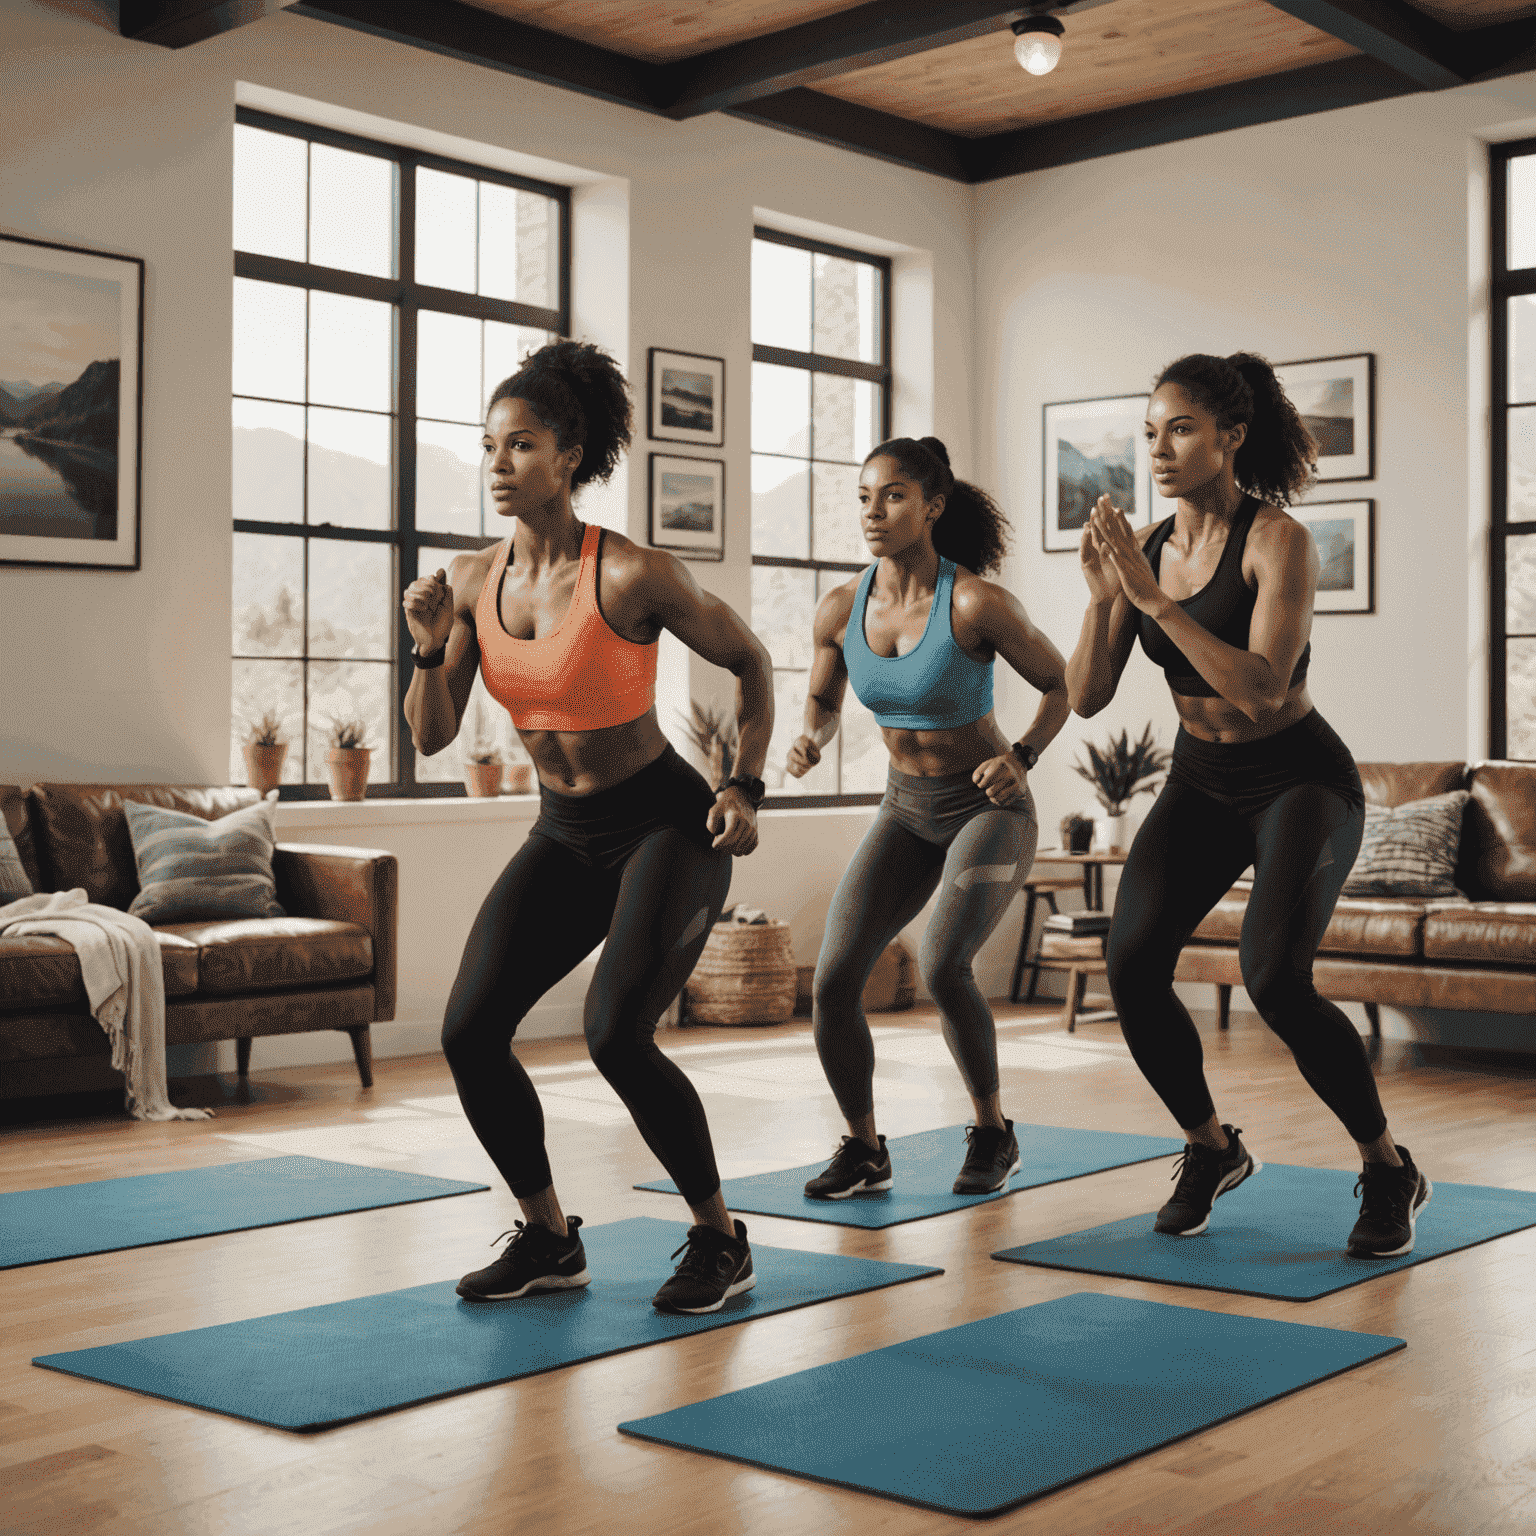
253 954
38 970
1359 926
13 809
1497 932
1398 783
82 833
1498 833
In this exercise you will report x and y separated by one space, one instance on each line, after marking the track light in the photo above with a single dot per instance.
1037 43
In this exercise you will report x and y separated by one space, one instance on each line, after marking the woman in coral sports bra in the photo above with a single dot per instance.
631 849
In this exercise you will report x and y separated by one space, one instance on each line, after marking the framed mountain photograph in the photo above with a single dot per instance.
1345 535
686 397
1336 398
1094 448
687 504
71 336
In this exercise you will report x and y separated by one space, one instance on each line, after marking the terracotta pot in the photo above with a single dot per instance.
482 780
264 765
348 768
520 779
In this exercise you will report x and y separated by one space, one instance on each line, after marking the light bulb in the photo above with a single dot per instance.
1038 52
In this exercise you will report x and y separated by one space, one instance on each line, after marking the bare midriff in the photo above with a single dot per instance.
928 754
1215 719
583 762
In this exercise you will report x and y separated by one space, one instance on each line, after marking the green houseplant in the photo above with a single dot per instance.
713 732
347 761
265 749
482 760
1125 769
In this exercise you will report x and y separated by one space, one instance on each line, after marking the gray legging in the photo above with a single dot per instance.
927 830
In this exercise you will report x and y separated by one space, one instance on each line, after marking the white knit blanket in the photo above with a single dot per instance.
120 964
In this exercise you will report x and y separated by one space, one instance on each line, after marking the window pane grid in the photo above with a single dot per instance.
326 447
820 398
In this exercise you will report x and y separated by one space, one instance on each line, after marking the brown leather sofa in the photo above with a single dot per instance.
1476 954
329 964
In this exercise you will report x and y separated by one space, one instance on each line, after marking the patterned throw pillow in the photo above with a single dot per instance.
1410 850
13 875
192 870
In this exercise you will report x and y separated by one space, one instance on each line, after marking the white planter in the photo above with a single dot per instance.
1111 832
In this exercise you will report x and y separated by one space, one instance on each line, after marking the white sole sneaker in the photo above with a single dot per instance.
1230 1182
1413 1217
862 1187
731 1290
540 1283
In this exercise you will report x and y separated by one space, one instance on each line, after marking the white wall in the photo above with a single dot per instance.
126 147
1360 230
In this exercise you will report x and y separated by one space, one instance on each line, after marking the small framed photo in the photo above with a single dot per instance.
71 335
687 500
1094 447
1345 534
686 395
1336 397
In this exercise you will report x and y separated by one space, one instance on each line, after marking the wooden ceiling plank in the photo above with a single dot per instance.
1170 120
846 125
1391 32
474 36
180 23
875 33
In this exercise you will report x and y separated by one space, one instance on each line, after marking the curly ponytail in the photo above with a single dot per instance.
578 392
973 532
1278 457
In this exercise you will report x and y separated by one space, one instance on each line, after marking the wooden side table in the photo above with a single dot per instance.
1078 971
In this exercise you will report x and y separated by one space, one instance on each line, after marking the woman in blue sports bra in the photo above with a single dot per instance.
1221 597
916 635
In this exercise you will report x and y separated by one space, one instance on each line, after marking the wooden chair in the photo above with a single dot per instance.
1040 888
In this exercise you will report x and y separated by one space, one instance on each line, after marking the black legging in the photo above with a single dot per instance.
651 909
1192 846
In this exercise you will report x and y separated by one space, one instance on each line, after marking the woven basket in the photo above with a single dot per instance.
746 975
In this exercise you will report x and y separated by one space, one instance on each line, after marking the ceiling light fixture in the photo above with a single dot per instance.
1037 43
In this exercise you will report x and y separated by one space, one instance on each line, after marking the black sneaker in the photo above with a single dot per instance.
989 1160
1391 1204
714 1268
854 1168
1203 1174
535 1260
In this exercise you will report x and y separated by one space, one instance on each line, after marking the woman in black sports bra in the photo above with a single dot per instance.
1221 596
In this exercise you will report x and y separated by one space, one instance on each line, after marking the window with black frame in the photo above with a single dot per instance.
380 294
1512 673
821 399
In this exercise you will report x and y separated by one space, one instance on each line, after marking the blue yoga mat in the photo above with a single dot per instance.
1281 1234
328 1365
924 1166
70 1220
976 1419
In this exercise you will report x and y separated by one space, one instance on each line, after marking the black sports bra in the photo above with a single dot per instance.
1224 606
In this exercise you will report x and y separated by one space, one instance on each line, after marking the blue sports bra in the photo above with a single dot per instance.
935 686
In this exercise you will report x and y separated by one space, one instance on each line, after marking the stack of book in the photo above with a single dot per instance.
1074 936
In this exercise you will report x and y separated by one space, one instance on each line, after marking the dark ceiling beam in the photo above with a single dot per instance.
846 125
1392 33
180 23
1172 119
473 36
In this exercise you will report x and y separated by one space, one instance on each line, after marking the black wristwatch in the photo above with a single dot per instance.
435 659
1026 755
753 789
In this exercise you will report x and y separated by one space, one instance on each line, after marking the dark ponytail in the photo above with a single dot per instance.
1278 457
972 531
578 392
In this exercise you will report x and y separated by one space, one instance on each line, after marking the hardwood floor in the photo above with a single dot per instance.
1439 1438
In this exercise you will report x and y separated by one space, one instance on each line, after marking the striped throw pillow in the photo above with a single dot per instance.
1410 850
13 873
192 870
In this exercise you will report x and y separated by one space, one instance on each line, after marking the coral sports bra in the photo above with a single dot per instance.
1224 605
581 676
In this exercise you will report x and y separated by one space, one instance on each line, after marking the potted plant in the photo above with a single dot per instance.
1076 832
482 759
265 750
518 776
1125 769
713 732
347 760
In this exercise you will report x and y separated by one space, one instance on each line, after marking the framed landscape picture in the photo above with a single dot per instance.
71 335
687 499
686 395
1336 397
1094 447
1345 534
